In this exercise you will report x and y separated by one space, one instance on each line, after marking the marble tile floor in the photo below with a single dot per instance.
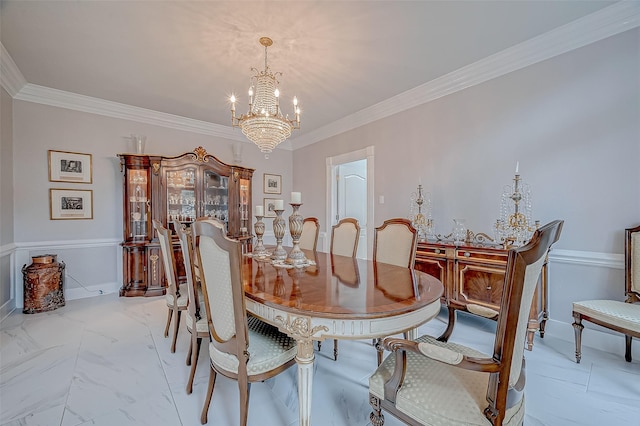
104 361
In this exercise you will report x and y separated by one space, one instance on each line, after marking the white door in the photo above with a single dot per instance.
351 198
350 194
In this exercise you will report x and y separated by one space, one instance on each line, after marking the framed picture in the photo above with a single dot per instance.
70 203
69 167
272 184
269 203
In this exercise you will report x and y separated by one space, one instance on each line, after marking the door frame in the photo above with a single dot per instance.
331 165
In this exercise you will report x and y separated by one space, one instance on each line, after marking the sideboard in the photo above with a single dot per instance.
473 274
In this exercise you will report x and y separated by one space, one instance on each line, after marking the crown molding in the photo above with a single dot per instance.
11 79
607 22
612 20
60 98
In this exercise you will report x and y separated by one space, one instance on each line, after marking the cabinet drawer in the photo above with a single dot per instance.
431 252
493 258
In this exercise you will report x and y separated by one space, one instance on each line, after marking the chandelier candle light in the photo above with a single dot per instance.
296 222
421 220
279 228
264 124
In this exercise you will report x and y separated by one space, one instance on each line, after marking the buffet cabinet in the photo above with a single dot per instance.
176 190
473 273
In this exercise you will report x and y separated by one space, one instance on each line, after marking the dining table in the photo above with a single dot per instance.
336 297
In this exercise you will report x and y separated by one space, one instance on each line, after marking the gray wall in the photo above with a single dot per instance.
573 123
6 200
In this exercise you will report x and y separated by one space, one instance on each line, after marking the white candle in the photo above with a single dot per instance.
517 166
278 205
259 211
296 198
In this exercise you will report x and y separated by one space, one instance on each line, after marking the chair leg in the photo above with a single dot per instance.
376 417
207 401
319 345
176 326
577 329
380 350
166 327
194 364
245 387
627 352
191 341
335 349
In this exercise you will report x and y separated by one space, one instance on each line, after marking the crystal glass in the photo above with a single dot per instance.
459 231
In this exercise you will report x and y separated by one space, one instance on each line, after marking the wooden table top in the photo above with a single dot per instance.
340 287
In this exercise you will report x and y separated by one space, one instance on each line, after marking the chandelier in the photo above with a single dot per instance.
264 124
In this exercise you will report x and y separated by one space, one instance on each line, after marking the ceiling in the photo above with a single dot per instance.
338 57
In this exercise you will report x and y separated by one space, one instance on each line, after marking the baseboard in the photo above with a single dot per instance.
90 291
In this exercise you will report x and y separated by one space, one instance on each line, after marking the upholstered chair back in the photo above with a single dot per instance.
216 254
184 236
309 237
168 260
523 271
344 237
395 243
634 249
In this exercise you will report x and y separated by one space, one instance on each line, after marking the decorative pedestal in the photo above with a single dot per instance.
279 228
296 222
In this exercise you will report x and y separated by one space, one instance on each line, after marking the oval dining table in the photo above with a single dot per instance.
338 297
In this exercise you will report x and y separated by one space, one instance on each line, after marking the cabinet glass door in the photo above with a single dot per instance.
216 197
245 207
138 190
181 195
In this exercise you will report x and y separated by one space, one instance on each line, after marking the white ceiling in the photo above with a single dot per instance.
339 57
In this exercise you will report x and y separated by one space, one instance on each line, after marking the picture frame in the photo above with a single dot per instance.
272 184
268 204
68 204
72 167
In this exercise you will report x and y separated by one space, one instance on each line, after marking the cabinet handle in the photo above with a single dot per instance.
488 287
467 254
437 251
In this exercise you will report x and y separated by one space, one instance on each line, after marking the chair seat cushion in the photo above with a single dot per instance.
201 324
268 349
182 300
620 314
435 393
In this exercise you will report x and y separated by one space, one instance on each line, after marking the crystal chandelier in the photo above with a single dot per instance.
515 225
264 123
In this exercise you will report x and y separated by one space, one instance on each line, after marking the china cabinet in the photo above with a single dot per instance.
473 273
176 190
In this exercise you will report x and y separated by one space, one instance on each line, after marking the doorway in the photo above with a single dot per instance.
350 179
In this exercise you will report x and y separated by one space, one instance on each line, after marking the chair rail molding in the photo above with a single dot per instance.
587 258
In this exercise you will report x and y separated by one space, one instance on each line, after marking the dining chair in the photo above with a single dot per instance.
309 238
394 242
196 319
623 317
344 242
429 382
176 296
241 347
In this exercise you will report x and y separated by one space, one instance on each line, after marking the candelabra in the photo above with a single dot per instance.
279 228
296 221
259 250
515 226
422 221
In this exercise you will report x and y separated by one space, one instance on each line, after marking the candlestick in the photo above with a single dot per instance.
259 250
296 222
296 197
279 228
